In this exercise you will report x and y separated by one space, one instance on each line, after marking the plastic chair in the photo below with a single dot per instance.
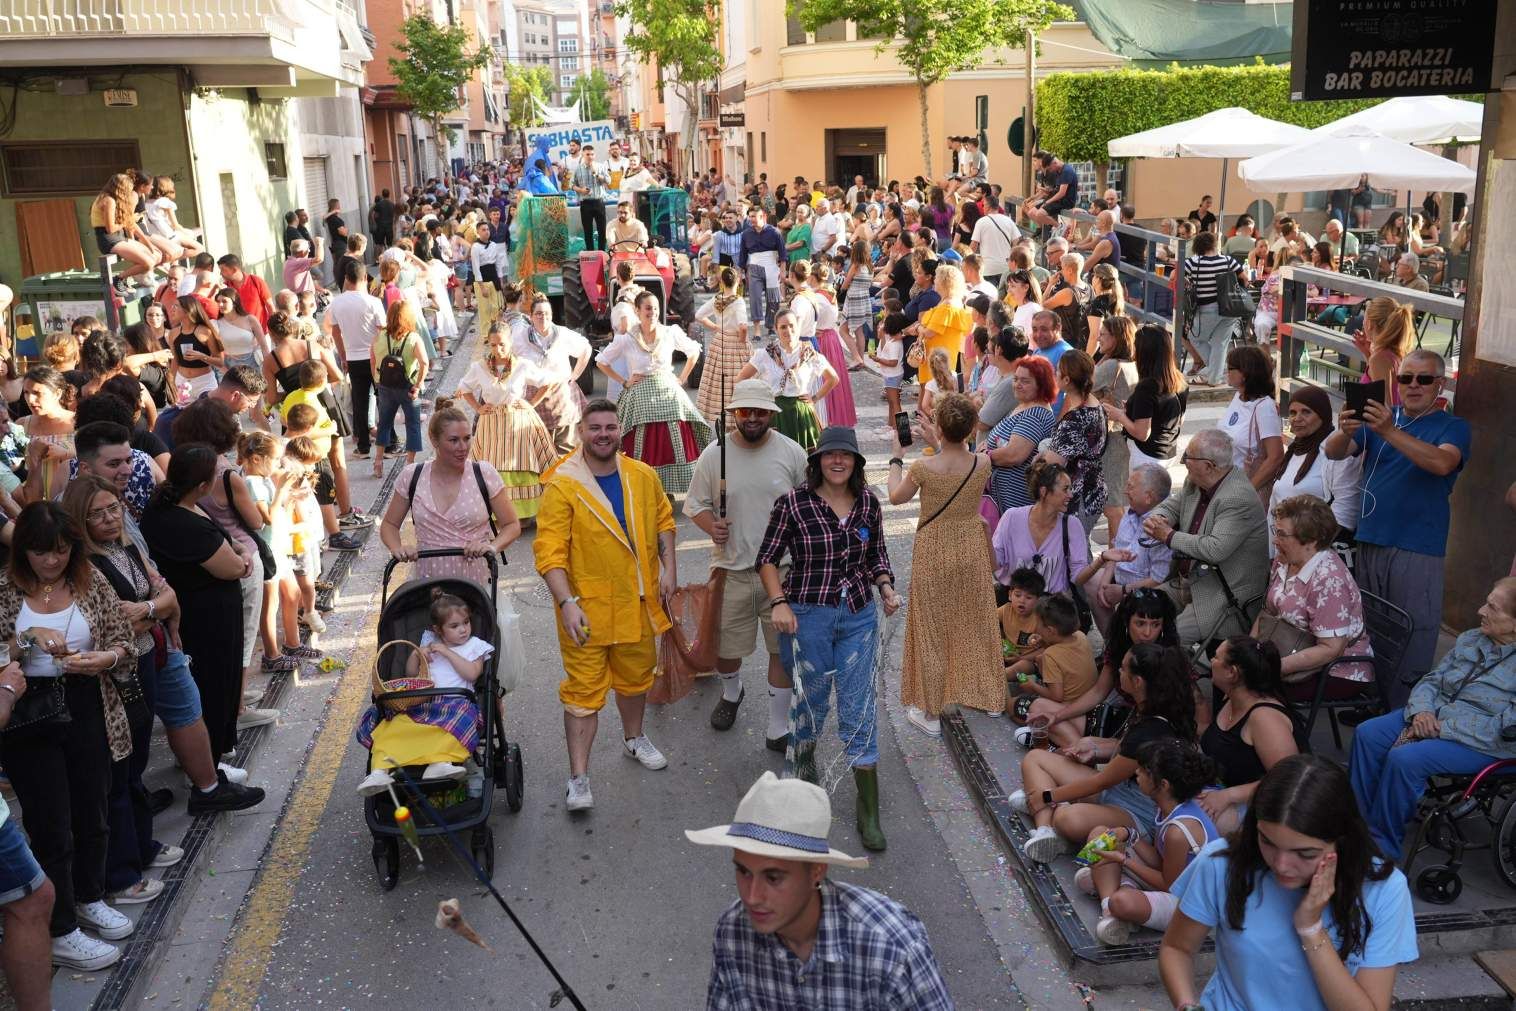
1389 630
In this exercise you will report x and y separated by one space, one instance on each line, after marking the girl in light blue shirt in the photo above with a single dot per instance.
1307 913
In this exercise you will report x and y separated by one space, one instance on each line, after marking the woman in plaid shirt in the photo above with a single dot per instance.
832 529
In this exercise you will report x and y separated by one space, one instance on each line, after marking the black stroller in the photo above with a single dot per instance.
406 616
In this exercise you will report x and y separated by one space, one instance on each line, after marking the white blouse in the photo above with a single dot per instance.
803 305
1338 483
797 373
550 355
629 353
494 388
826 312
728 320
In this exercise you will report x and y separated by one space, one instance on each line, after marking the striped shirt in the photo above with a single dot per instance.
1203 274
870 952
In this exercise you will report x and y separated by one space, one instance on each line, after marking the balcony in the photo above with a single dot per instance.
290 47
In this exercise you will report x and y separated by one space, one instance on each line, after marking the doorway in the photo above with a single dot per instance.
858 152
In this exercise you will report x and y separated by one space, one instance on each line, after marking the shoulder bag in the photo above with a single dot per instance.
1288 638
1081 605
974 469
265 550
1232 300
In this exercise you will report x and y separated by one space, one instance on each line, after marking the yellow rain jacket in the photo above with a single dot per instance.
613 576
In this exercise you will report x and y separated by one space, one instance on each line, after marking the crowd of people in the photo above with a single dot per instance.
1076 576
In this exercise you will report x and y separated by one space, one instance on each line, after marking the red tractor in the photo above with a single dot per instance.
590 286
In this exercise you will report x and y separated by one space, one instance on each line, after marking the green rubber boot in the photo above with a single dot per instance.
872 835
805 763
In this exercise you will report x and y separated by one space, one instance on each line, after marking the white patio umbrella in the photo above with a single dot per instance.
1225 134
1328 160
1418 119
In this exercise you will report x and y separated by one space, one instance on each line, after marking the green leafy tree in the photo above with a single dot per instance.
528 87
679 36
435 63
936 37
592 94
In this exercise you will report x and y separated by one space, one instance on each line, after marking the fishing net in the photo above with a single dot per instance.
665 211
540 244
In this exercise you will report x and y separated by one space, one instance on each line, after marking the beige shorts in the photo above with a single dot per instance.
744 610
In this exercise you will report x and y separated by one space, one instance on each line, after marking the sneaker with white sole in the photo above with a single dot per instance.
1023 736
233 774
109 923
1110 930
1017 801
313 621
376 782
924 723
145 890
1084 880
443 770
249 718
77 950
1044 845
251 695
167 856
579 797
642 750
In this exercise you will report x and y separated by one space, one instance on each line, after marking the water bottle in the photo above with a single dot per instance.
476 785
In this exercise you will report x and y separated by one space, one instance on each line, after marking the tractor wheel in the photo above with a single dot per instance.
681 310
577 314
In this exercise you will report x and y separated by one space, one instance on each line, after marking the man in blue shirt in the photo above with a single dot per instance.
1048 342
1411 457
760 254
1064 182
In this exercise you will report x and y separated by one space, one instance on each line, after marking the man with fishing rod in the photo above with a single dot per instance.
732 491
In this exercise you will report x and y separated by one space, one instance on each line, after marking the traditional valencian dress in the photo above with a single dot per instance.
659 425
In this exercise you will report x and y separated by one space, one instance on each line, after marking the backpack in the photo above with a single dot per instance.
392 371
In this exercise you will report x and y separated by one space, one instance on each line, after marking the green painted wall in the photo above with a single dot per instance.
157 123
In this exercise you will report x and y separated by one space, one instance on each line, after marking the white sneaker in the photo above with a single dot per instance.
251 695
1023 736
922 722
233 774
169 855
249 718
375 783
1017 801
78 950
1113 931
1084 880
102 919
642 750
312 620
145 890
579 797
1044 845
443 770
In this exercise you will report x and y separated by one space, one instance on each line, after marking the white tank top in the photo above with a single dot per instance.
69 622
234 340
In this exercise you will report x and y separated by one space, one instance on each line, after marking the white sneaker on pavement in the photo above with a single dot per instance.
924 723
1084 880
579 797
1044 845
1017 801
233 774
168 856
642 750
313 621
77 950
249 718
1113 931
102 919
145 890
1023 736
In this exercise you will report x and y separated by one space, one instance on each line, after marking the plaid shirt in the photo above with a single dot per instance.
870 952
829 558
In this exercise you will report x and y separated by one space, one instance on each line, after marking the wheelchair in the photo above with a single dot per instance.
1450 810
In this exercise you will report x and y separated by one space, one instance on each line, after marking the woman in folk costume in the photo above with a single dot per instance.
726 318
508 433
557 356
659 425
840 409
798 375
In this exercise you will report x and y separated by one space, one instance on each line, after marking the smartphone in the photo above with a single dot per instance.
903 427
1359 395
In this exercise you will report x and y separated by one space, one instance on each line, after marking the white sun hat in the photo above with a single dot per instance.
787 819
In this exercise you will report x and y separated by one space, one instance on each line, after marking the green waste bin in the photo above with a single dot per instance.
56 300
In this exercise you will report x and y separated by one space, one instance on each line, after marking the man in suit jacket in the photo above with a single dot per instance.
1216 527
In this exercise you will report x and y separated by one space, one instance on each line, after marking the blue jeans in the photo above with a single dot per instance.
391 400
1388 782
835 646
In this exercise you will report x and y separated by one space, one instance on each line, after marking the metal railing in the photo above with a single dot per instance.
52 18
1331 353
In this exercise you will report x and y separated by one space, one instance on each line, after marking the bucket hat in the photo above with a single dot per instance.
753 394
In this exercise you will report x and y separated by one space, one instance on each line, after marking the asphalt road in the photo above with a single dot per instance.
618 899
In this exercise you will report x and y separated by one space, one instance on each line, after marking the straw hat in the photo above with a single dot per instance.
753 394
787 819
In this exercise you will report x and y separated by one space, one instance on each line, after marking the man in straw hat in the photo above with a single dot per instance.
793 938
605 548
758 466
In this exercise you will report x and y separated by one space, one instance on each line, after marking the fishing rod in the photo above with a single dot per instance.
463 854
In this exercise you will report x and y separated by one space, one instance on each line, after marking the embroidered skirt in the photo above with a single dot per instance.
797 419
661 428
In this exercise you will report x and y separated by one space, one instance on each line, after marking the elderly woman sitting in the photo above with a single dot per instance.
1313 611
1455 721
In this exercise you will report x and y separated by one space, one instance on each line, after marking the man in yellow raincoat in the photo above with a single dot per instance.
605 547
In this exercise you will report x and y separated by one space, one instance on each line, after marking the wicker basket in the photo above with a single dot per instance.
401 684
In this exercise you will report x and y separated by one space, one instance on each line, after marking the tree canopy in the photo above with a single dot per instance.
435 63
679 36
936 37
592 93
528 87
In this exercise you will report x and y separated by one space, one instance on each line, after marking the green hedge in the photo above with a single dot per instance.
1079 113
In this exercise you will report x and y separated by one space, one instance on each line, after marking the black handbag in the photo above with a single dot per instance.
1232 300
43 703
1081 606
265 550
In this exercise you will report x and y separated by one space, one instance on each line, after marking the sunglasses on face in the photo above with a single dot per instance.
1418 378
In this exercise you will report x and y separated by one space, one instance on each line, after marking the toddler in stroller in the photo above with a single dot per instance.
440 733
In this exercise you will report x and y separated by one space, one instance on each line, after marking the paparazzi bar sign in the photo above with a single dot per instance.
1386 48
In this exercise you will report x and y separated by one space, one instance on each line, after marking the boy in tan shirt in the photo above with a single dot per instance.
1065 668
